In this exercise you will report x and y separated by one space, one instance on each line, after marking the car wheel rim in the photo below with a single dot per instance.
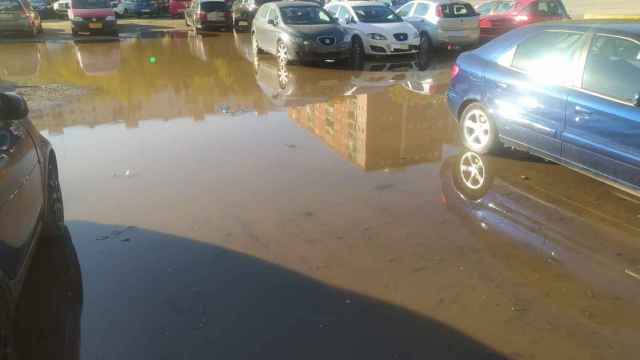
477 129
283 53
283 77
472 171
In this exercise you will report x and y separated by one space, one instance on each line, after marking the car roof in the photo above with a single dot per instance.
360 3
281 4
625 27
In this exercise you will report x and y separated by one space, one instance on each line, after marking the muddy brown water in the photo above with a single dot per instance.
223 207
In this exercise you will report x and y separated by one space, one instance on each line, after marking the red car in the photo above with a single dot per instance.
498 17
177 7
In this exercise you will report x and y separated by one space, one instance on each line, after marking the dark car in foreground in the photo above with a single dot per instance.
30 201
499 17
569 92
299 31
243 12
207 15
17 16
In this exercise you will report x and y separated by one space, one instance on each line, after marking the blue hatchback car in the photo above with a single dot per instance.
568 92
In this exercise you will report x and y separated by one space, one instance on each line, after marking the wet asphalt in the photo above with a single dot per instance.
221 206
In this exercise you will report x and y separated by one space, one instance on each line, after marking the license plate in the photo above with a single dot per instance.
215 16
243 23
95 26
402 47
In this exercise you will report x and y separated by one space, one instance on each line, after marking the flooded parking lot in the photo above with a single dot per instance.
222 206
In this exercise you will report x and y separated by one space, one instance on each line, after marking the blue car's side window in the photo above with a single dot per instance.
550 55
613 68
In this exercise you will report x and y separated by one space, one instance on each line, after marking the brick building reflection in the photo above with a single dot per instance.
389 129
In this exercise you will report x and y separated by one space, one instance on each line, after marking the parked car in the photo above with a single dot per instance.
443 24
44 9
92 16
243 12
567 92
32 208
137 8
177 7
377 29
61 8
17 16
206 15
499 17
299 31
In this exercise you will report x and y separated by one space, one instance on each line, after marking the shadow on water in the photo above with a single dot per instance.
150 295
49 312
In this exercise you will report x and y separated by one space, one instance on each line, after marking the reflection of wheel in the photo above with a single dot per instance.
40 30
472 175
54 217
478 130
283 76
282 53
357 53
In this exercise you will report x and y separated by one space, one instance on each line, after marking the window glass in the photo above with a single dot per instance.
457 10
262 12
613 68
209 6
422 9
504 6
376 14
273 15
405 10
550 55
10 5
485 9
550 8
333 10
343 13
305 15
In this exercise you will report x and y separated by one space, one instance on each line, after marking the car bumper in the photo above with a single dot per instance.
206 25
89 26
385 47
313 51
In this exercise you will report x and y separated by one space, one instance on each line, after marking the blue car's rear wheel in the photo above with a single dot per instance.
478 130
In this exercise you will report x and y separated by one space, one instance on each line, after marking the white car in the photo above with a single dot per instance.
444 22
61 8
377 30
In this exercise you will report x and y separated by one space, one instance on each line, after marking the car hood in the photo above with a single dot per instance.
311 31
86 13
387 29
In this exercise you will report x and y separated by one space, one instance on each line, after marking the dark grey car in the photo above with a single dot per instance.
299 31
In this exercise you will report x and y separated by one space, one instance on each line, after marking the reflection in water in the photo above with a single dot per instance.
18 61
48 315
98 58
571 220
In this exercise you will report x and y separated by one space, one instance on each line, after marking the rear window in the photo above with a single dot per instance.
504 7
376 14
457 10
10 5
90 4
213 6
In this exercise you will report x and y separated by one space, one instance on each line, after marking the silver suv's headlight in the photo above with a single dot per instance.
376 36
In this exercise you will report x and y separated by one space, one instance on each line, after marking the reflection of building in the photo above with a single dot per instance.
380 130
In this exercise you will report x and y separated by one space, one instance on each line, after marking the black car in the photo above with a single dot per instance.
30 202
243 12
44 8
205 15
299 31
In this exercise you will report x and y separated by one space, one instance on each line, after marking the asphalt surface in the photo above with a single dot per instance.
220 206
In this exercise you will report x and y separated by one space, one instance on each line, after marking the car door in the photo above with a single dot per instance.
271 32
21 195
526 90
603 117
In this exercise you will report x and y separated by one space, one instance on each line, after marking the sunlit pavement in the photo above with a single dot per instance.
221 206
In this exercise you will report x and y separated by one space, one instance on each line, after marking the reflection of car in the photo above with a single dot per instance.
243 12
299 85
299 31
98 58
20 60
17 16
498 17
561 215
137 8
567 92
61 8
442 24
177 7
377 29
205 15
30 200
92 16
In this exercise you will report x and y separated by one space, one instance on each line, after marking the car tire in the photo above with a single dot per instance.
478 130
54 215
426 45
472 175
357 53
